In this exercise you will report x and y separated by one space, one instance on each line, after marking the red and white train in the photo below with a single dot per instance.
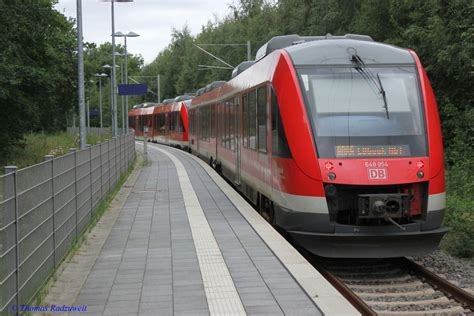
167 122
335 139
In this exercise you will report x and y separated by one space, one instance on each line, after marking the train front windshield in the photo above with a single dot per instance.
351 119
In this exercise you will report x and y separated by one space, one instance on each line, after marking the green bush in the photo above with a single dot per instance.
460 207
460 218
32 149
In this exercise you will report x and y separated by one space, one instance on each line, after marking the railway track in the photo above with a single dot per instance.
393 287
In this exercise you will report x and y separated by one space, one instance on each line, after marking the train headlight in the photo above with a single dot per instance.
329 165
420 174
331 176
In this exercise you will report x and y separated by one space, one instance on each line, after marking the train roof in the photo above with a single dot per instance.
148 104
200 91
183 97
335 50
242 67
214 85
168 101
283 41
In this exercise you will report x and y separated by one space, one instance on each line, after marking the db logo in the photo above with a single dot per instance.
377 174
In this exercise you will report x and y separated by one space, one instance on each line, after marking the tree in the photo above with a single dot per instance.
37 70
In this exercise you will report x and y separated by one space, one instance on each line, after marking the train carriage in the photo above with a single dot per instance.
167 122
335 139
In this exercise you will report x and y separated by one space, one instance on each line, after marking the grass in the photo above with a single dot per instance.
35 146
81 239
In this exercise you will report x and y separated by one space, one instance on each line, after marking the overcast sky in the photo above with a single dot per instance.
152 19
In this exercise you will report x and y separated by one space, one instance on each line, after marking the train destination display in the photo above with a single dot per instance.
372 151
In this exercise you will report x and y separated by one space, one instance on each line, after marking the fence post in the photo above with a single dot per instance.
13 169
51 158
90 176
73 150
117 171
100 163
108 167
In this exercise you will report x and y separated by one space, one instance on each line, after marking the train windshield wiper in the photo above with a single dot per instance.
365 73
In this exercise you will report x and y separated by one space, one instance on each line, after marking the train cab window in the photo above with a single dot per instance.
252 120
262 119
279 142
245 121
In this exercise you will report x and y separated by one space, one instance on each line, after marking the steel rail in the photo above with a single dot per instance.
450 290
349 295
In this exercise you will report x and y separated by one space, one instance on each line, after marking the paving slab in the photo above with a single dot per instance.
180 244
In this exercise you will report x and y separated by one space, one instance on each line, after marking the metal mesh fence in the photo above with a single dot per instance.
43 208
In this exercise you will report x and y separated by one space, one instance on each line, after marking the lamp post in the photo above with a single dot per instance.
114 84
100 96
129 34
112 94
80 71
122 97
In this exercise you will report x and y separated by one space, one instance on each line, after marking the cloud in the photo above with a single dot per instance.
152 19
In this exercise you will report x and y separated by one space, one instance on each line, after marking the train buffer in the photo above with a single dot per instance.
184 242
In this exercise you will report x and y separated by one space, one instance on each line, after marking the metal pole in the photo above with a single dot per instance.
80 70
114 85
111 103
12 186
88 117
126 82
158 87
100 102
122 101
249 51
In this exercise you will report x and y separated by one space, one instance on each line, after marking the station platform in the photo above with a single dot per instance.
186 243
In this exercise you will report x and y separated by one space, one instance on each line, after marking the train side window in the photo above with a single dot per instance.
213 121
224 125
245 120
262 119
252 120
221 123
205 123
231 124
190 122
279 142
208 116
227 124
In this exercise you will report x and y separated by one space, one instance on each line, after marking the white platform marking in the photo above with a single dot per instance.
326 297
222 296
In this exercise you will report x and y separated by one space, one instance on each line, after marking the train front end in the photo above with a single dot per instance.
376 131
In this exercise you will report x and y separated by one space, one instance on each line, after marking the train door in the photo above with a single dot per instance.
237 131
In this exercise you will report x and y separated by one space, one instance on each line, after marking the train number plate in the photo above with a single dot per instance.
378 174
